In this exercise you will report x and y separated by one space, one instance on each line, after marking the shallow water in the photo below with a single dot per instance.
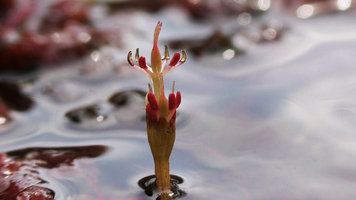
276 123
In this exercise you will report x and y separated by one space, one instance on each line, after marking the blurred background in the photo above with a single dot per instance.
268 98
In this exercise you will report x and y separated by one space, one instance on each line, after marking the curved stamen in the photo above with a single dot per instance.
129 59
184 56
165 58
166 53
175 63
150 88
137 55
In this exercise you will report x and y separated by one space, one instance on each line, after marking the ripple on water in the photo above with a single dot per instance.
148 184
17 130
124 110
64 91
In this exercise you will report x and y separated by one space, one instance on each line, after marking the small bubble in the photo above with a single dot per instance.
305 11
264 4
229 54
343 4
244 19
100 118
269 34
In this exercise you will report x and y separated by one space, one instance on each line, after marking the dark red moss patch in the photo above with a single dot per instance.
19 175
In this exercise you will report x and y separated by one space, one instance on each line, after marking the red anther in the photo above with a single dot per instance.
175 59
178 99
151 114
142 62
152 101
172 101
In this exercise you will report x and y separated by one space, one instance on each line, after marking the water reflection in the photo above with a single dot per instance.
276 123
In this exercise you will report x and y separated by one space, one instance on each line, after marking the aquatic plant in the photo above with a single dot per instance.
160 111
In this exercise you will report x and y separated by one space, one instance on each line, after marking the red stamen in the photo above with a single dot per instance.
175 59
178 99
151 114
172 101
142 62
152 101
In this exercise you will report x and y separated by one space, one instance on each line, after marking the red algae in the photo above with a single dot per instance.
63 33
64 12
198 10
20 178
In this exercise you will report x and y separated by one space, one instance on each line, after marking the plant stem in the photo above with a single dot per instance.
161 136
163 179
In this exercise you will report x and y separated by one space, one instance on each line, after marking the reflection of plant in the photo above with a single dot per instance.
160 111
